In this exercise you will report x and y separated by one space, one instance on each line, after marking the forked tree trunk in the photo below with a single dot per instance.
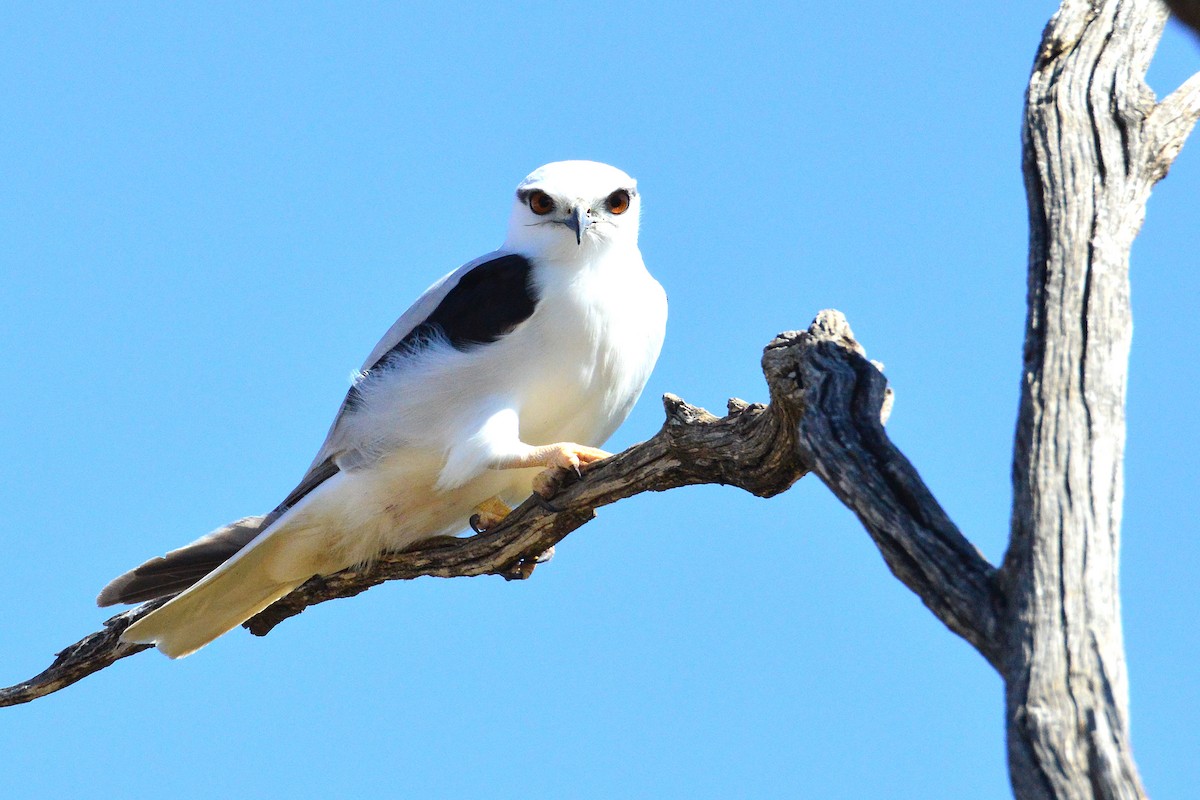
1048 620
1095 142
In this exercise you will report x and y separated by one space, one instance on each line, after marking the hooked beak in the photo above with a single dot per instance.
578 222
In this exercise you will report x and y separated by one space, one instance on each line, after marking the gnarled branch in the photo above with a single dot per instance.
842 440
826 412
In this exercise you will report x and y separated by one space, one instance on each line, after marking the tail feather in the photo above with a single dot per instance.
273 565
181 568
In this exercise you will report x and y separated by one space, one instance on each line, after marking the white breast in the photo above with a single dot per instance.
597 331
572 371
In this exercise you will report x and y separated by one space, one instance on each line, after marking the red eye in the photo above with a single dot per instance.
540 203
618 202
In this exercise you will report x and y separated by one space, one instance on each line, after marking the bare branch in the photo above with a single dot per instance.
823 392
748 448
843 441
1169 126
90 654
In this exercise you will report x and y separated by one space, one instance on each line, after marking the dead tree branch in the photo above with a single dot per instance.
827 407
841 438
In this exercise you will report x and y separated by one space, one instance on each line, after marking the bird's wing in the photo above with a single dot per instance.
419 311
477 303
179 569
272 564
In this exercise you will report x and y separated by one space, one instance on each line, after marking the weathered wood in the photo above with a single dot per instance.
751 448
1094 144
90 654
748 448
842 440
827 406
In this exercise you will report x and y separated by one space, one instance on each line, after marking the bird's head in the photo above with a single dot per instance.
572 209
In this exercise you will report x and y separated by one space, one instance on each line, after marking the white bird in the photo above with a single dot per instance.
523 360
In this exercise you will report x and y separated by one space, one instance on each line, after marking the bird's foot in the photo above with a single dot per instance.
560 460
546 484
489 514
568 455
523 569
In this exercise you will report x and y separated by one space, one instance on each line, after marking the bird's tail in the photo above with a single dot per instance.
280 559
179 569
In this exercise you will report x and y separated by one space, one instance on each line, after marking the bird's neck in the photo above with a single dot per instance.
589 275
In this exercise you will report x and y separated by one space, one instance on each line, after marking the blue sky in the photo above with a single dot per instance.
210 214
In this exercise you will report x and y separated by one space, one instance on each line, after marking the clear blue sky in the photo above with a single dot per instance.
209 214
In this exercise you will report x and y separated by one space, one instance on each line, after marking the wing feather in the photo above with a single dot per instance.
475 304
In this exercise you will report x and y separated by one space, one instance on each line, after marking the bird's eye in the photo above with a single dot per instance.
618 202
540 203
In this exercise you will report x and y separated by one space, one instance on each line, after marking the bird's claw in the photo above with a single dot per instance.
489 514
545 504
523 569
548 482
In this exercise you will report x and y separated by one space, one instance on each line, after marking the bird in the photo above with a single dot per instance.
513 367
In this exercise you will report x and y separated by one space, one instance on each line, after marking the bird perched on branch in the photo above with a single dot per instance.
522 361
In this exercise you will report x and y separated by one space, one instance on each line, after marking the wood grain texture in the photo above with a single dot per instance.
1095 142
90 654
842 440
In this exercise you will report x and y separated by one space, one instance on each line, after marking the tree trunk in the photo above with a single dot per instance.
1094 145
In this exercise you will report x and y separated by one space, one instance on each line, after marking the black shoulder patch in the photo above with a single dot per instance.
486 303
